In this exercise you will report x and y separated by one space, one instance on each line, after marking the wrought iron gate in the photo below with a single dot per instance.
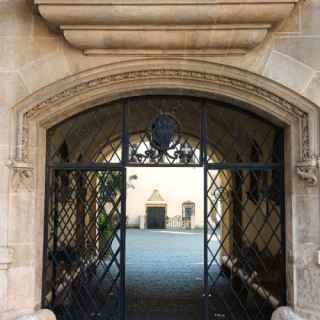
85 221
85 243
244 262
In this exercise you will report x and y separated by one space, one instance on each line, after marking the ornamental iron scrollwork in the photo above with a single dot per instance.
165 133
164 141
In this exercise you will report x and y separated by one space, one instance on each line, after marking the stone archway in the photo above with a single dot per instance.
33 116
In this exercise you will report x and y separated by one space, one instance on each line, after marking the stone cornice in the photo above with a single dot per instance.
169 27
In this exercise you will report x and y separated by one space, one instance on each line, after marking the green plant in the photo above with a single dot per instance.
104 225
110 184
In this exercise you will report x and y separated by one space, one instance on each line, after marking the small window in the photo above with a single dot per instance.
188 211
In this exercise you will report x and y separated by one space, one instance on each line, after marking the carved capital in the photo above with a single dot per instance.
308 172
21 176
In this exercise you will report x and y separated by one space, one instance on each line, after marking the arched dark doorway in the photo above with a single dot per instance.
242 159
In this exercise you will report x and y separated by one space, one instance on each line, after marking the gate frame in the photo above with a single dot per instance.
40 111
204 164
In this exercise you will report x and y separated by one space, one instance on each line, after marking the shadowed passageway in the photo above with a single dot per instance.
85 244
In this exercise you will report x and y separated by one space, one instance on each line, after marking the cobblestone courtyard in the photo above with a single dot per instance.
164 271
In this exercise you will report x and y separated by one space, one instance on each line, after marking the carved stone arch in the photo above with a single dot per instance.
106 83
87 89
60 100
67 97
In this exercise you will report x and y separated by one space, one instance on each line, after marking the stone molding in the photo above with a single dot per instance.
219 79
181 27
6 257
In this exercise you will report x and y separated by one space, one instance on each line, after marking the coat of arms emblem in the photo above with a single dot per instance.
164 133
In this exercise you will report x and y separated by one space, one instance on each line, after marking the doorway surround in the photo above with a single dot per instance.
34 115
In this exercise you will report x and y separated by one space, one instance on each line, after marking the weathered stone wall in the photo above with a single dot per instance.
32 57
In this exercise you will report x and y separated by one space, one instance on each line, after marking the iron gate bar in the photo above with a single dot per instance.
204 138
283 222
65 210
213 232
87 167
241 166
45 234
164 165
203 134
249 221
125 134
123 244
124 160
255 211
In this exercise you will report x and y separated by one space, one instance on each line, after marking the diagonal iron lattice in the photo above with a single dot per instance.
231 141
178 132
86 138
84 243
244 244
185 152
